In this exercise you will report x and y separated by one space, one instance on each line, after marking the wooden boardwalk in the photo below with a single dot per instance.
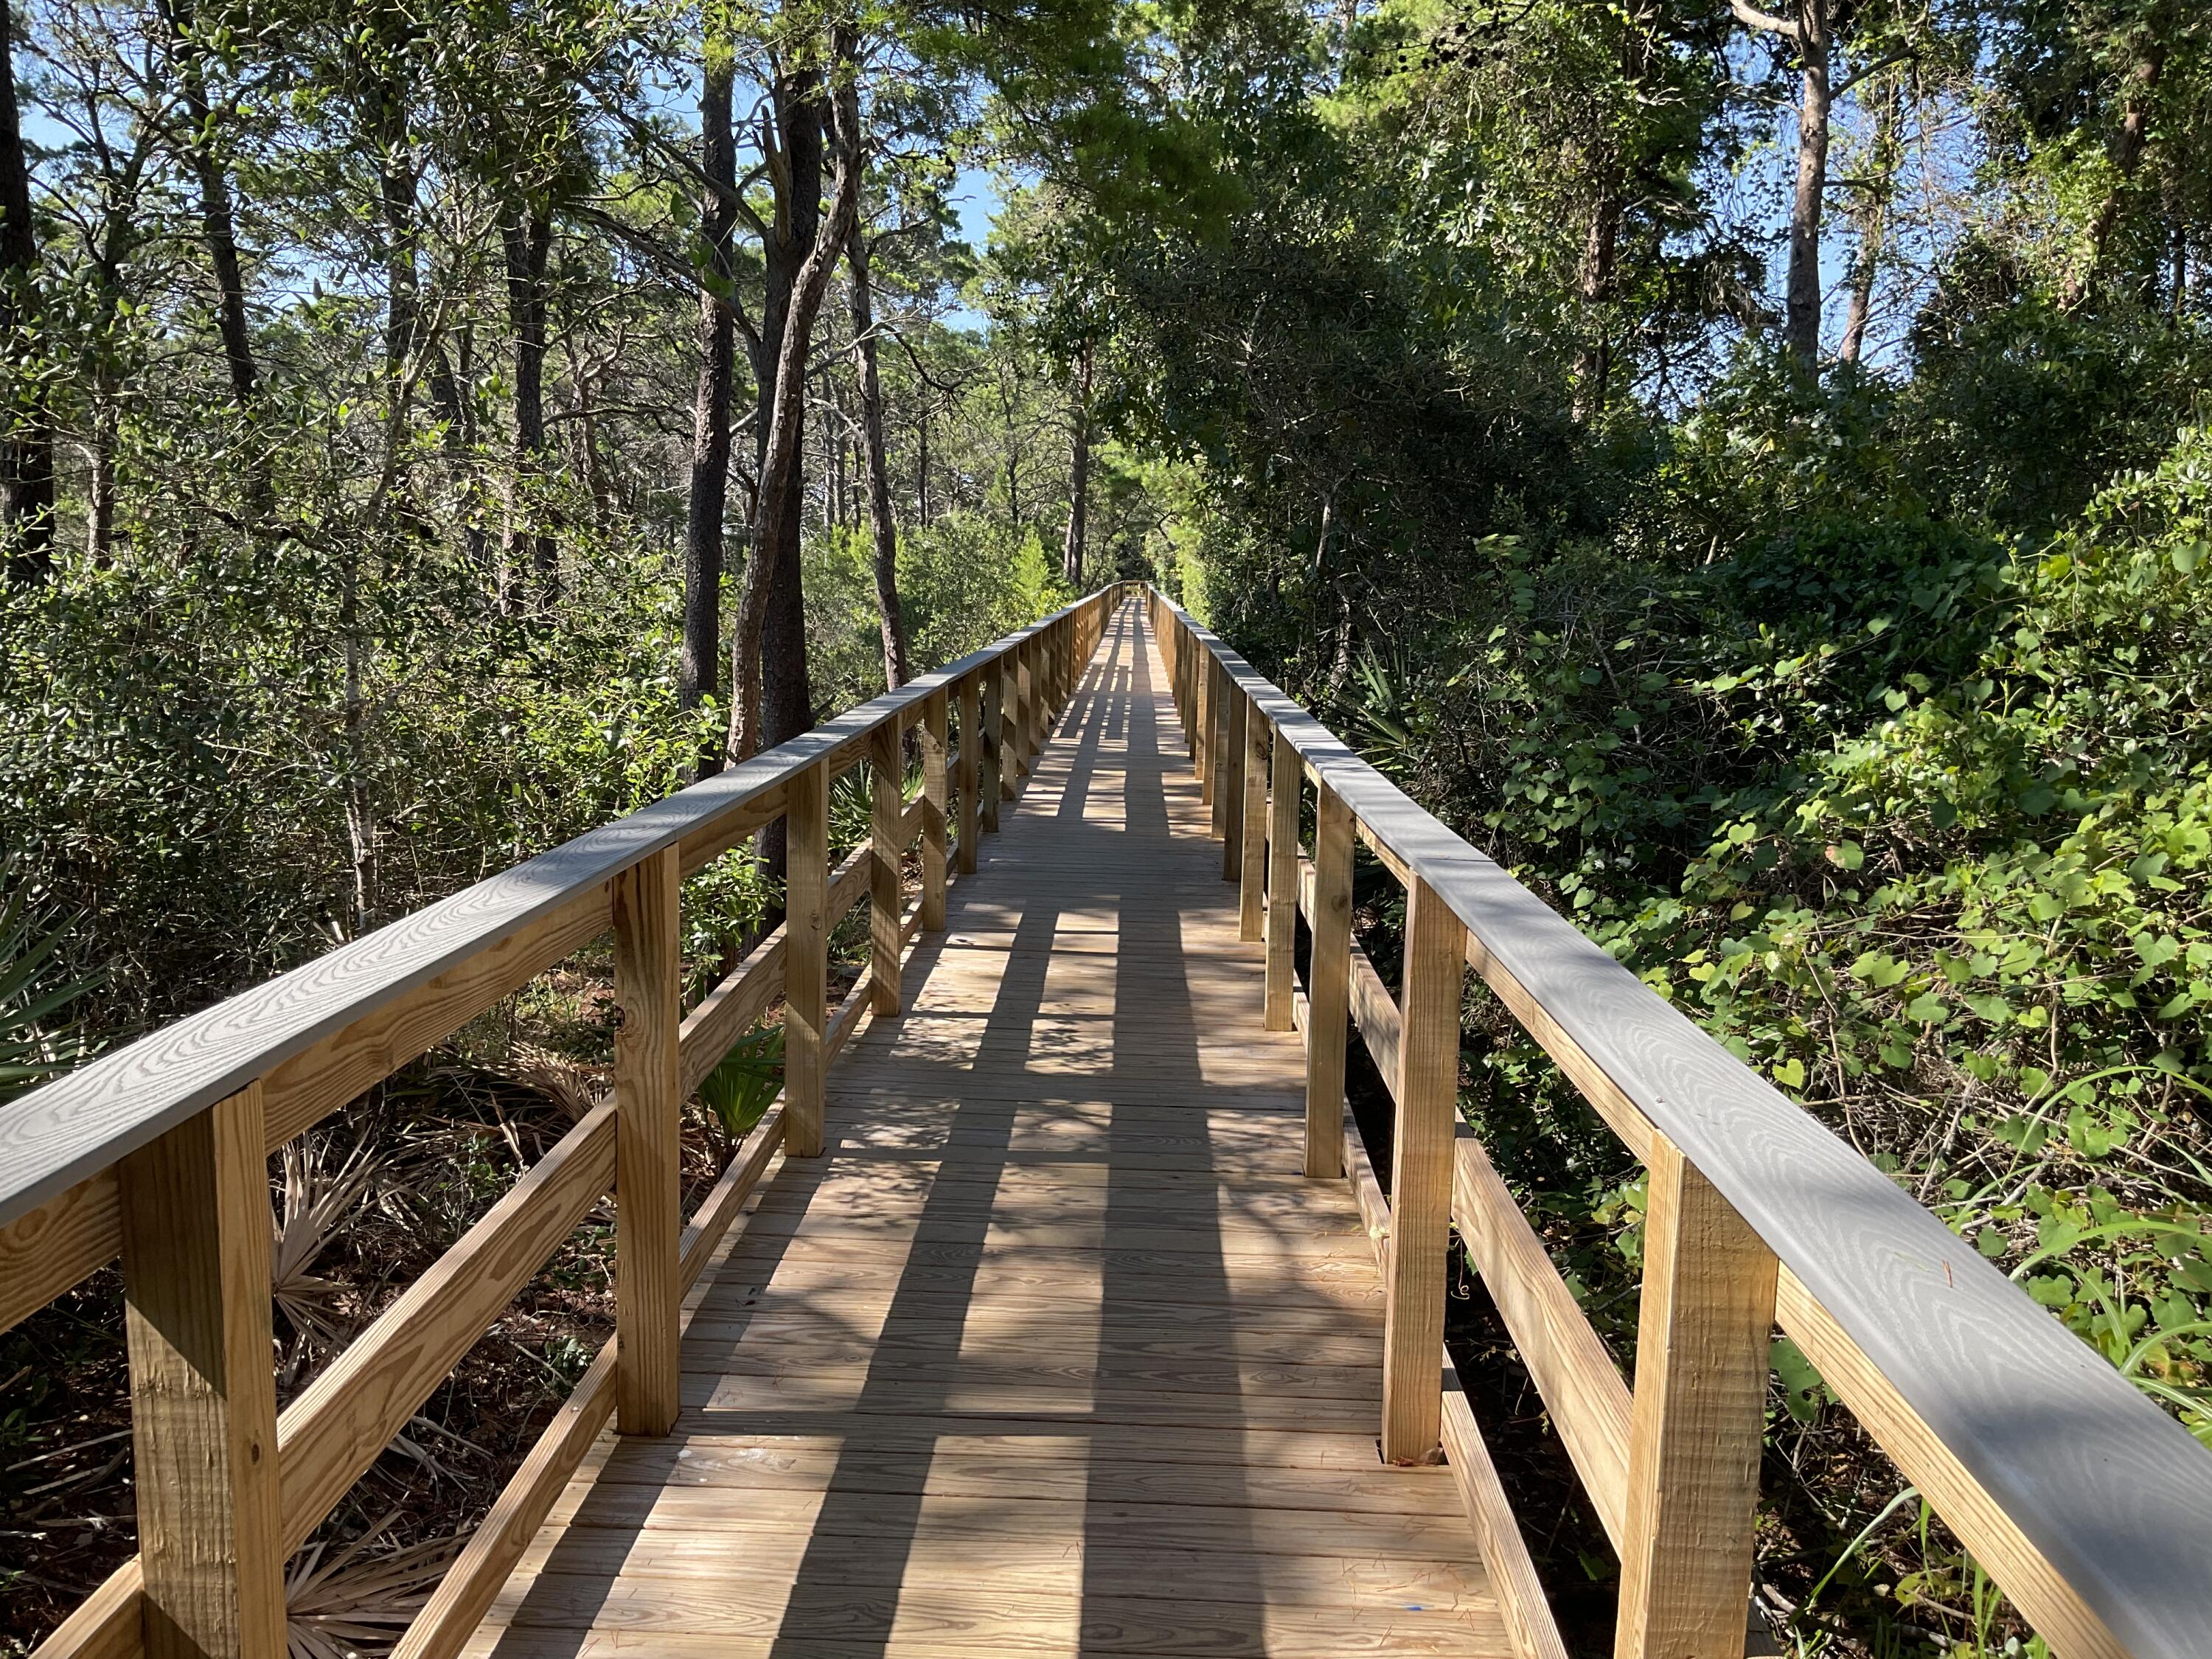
1056 1352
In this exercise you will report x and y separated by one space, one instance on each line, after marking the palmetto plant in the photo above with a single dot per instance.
740 1091
320 1192
34 1041
361 1598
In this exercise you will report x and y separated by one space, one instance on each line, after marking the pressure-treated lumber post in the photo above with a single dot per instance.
935 741
886 859
1702 1334
1420 1177
195 1226
1010 725
1202 754
991 789
648 1142
1288 782
805 958
1252 822
972 772
1329 1005
1229 796
1026 693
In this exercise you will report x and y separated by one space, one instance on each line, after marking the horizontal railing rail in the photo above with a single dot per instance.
157 1153
2085 1502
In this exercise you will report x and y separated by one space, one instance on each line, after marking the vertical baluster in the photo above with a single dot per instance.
805 958
1252 822
1287 785
1703 1333
1328 1006
648 1142
1420 1177
1229 796
1014 765
195 1226
886 859
936 740
972 772
992 789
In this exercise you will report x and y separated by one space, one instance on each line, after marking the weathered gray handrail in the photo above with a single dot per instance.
86 1121
2090 1505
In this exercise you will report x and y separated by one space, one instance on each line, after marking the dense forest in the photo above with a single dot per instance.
1746 469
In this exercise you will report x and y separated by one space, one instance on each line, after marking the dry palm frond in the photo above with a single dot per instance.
574 1085
321 1192
361 1599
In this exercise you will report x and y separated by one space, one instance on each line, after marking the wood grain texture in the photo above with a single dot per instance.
71 1128
347 1417
648 1140
887 846
990 791
936 784
1252 831
195 1236
1375 1012
1580 1384
2037 1586
1286 783
1521 1598
1235 769
968 774
1054 1352
108 1624
807 916
1421 1178
53 1248
729 1012
711 1221
2103 1485
1329 1008
1699 1413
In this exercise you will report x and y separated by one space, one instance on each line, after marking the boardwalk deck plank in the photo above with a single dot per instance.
1054 1352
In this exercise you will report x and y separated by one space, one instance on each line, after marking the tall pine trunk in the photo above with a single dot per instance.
880 519
526 235
1870 211
772 699
710 411
1074 548
27 451
1802 302
218 226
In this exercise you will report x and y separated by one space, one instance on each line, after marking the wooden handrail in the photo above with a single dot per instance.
155 1152
2089 1505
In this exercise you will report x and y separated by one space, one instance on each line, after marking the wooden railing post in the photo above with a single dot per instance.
805 958
971 773
1010 725
1421 1177
648 1142
1328 1003
1702 1335
1203 754
993 788
886 859
195 1233
1252 826
936 741
1287 785
1229 792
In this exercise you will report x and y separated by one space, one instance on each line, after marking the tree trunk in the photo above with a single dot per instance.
526 235
26 452
1870 209
771 698
217 223
2126 151
1802 326
710 411
1073 549
880 472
